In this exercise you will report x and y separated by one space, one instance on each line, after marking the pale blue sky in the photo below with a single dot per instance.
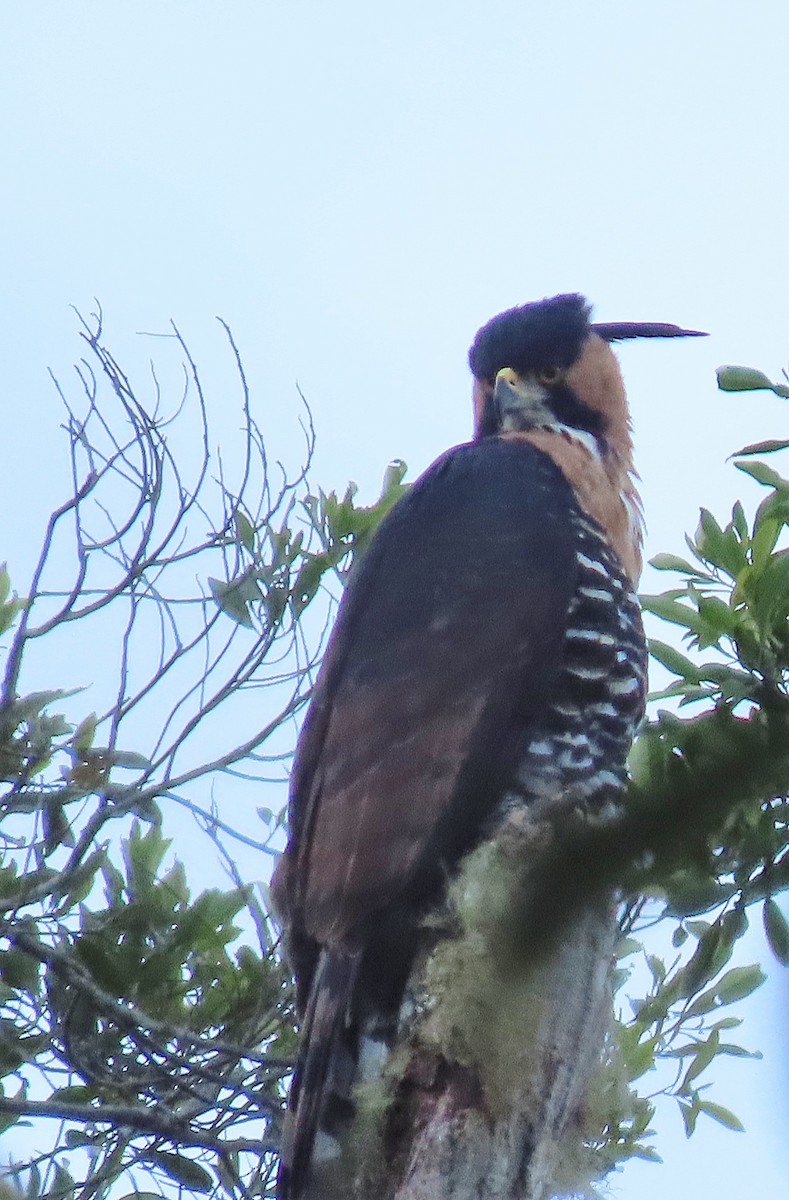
355 188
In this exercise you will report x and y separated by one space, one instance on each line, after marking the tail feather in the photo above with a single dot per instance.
321 1031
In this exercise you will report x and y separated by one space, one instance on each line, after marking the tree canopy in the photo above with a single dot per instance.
147 1029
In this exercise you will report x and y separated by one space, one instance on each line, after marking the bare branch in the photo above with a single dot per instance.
134 1118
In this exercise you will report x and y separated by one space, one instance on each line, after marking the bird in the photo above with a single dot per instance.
487 661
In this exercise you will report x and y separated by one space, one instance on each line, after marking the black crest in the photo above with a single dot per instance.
545 333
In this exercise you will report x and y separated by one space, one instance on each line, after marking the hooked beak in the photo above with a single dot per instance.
518 402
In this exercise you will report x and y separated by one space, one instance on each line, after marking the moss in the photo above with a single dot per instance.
486 998
525 1017
364 1148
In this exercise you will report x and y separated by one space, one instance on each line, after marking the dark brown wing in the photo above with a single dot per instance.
444 650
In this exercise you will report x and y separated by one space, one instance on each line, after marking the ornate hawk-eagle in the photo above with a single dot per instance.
487 662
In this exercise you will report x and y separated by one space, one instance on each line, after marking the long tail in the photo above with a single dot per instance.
321 1032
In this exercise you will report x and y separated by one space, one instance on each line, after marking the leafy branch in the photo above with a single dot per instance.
154 1027
128 1002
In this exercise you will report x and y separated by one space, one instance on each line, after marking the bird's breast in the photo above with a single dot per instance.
602 487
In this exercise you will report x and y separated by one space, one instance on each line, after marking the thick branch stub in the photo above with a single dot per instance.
509 1122
498 1086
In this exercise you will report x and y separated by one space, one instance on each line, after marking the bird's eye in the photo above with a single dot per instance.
550 376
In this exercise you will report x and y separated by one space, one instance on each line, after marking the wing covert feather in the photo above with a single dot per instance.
444 649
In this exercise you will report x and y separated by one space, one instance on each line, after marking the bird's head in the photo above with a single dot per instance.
546 365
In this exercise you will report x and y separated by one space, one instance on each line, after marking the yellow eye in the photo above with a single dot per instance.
550 376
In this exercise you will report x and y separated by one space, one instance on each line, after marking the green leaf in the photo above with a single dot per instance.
62 1184
734 1051
80 1093
130 759
9 609
29 706
57 831
738 518
722 547
690 1113
763 474
244 530
81 879
671 610
275 601
672 562
703 1056
702 966
716 620
646 1152
20 970
78 1137
183 1170
705 1003
639 1059
311 573
688 692
627 946
84 733
724 1116
143 854
233 597
9 879
777 929
739 982
142 1196
742 379
768 447
393 475
685 1051
675 662
733 925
